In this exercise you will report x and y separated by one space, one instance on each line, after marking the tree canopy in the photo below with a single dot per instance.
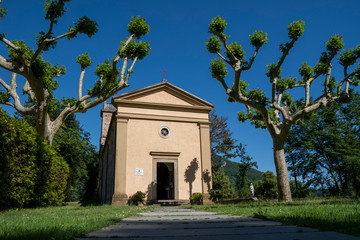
279 111
323 150
42 76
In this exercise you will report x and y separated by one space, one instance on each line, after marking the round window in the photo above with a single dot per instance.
164 132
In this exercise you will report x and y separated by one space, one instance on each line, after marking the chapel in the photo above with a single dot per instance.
156 140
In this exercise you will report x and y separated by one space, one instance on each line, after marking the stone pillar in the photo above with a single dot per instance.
205 160
120 197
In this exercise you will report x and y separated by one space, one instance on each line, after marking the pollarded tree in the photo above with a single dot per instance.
41 75
279 112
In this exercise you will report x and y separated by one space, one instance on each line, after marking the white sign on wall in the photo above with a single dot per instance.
139 171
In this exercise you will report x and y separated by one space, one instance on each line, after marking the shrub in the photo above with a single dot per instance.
31 172
197 198
137 198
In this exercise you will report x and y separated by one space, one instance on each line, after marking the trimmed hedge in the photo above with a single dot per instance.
31 172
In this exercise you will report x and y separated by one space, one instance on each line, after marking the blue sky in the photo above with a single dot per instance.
178 32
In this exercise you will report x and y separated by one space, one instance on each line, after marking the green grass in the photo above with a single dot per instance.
340 215
64 222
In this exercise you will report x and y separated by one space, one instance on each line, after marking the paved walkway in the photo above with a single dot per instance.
176 223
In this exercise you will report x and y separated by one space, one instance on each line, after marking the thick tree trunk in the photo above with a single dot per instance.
284 193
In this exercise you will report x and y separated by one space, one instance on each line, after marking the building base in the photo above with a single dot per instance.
207 199
119 199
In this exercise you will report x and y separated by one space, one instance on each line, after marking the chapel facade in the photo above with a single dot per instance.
155 140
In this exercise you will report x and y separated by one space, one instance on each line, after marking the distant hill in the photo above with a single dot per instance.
232 169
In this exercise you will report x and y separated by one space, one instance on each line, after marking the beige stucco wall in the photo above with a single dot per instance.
163 97
161 112
143 138
139 117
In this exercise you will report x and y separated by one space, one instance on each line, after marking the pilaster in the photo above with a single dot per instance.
120 197
205 150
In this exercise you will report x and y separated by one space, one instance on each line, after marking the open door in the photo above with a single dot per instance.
165 181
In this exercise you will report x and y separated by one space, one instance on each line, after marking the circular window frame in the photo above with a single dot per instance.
168 129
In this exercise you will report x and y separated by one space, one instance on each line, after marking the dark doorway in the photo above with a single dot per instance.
165 181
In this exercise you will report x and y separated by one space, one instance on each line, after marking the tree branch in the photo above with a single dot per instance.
12 92
7 65
129 71
327 79
27 90
233 59
252 59
47 41
122 80
114 70
9 43
285 53
43 44
81 83
309 109
224 59
346 78
3 83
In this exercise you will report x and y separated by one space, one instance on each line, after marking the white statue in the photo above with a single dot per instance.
251 190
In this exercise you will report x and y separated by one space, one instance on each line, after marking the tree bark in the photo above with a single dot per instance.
284 193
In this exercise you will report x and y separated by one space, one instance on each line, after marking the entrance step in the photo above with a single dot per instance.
171 202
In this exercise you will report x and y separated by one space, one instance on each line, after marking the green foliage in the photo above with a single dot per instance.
217 26
74 145
42 69
40 39
52 183
196 198
68 101
284 83
231 170
137 198
349 57
340 215
320 68
62 222
266 188
287 99
213 45
299 190
221 186
32 174
272 72
133 49
104 72
323 149
334 44
285 47
258 38
84 60
138 27
218 69
258 95
245 164
4 97
84 25
254 116
3 12
237 50
296 29
305 71
55 9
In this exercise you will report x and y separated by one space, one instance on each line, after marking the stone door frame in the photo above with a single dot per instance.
176 182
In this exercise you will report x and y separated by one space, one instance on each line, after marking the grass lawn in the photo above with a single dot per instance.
340 215
64 222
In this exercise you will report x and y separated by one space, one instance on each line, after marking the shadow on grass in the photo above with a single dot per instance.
49 233
330 224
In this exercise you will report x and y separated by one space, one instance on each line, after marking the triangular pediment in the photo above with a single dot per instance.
162 93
